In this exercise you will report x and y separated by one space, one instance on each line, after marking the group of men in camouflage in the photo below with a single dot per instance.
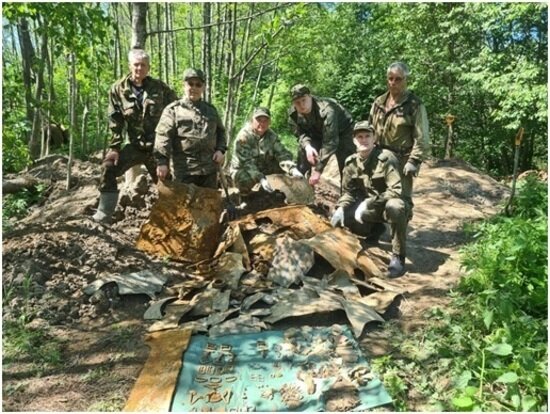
185 140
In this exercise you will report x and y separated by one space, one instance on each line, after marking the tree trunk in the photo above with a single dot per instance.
27 57
191 36
83 134
139 28
230 82
206 50
36 134
21 183
72 83
159 42
243 57
167 64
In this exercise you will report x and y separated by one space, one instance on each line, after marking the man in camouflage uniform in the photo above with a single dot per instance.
323 128
401 126
372 193
258 152
135 105
190 133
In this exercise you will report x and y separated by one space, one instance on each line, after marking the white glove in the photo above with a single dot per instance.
410 169
295 172
265 185
361 210
337 219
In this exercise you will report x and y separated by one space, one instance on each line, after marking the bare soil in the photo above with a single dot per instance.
49 256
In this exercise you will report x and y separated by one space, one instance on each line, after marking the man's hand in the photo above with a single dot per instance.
314 178
337 219
410 169
362 209
311 154
111 158
295 172
162 172
266 186
218 157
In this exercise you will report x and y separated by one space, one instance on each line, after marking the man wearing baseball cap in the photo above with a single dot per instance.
372 194
191 136
257 152
323 128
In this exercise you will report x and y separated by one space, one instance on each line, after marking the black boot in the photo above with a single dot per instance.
377 230
397 266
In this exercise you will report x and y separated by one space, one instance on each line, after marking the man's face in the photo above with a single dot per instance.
261 124
364 141
193 88
397 82
303 104
139 69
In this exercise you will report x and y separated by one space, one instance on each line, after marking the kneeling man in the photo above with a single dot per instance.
371 194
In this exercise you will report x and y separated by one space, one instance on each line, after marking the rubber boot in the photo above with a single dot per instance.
106 207
397 266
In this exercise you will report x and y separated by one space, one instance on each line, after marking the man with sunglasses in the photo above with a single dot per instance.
135 106
191 136
401 126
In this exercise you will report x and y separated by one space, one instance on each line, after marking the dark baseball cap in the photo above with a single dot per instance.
193 73
261 111
363 126
297 91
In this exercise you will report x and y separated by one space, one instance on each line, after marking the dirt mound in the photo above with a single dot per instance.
49 256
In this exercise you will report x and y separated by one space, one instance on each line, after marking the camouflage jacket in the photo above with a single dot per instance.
403 129
258 155
140 120
378 176
327 128
189 133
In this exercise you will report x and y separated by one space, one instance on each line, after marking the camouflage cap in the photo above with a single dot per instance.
193 73
363 126
297 91
261 111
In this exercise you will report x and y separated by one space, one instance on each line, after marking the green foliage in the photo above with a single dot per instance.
493 338
21 343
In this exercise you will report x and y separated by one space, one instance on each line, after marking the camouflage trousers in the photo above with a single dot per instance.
393 212
128 157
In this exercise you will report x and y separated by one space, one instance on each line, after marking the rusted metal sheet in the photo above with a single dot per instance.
143 282
184 223
291 261
155 385
339 247
232 241
301 221
296 190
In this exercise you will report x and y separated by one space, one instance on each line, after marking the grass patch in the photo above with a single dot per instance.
22 344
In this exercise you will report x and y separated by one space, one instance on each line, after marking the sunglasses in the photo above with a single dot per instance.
195 84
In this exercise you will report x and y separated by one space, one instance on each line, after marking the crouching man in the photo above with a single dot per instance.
257 152
371 194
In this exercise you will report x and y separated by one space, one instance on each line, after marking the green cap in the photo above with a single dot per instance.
297 91
261 111
193 73
363 126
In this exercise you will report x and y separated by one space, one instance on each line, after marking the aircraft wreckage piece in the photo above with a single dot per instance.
144 282
232 241
184 223
154 387
296 190
291 261
300 220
